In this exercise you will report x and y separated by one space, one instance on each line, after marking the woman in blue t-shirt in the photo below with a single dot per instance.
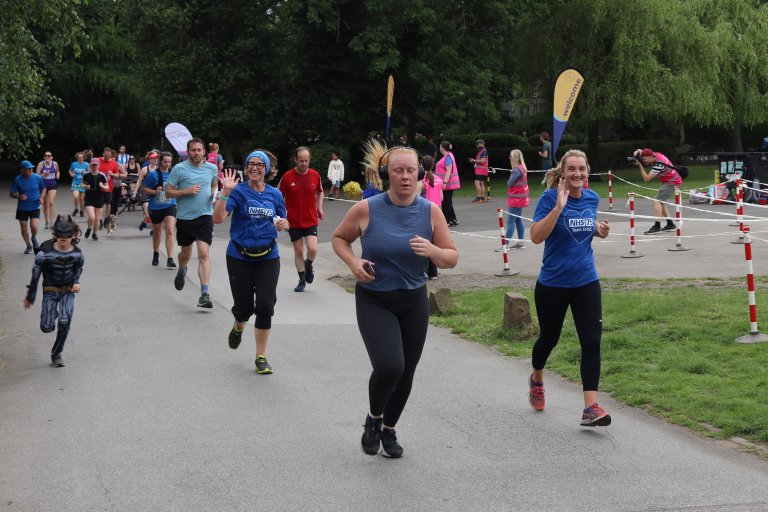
253 261
77 170
566 220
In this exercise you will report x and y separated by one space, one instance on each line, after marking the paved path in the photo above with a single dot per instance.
154 412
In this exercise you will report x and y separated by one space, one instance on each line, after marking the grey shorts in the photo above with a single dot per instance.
666 192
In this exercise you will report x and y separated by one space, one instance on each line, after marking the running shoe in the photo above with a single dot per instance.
310 276
262 366
74 212
28 250
204 301
390 447
669 227
95 237
88 233
47 226
371 441
170 263
655 229
235 337
101 224
477 200
82 214
595 416
300 287
178 282
142 225
155 259
518 245
501 249
57 361
536 394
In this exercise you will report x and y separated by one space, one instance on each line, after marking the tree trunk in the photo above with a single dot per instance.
593 151
733 139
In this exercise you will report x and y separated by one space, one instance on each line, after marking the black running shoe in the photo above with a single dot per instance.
262 366
88 233
74 212
178 282
235 337
300 287
57 361
155 259
204 301
371 441
82 214
655 229
310 273
28 250
101 224
669 227
391 448
95 237
170 263
142 225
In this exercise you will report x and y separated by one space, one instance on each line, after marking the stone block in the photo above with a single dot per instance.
517 311
440 301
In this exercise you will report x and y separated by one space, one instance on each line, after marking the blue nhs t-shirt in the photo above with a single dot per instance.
184 175
568 260
253 219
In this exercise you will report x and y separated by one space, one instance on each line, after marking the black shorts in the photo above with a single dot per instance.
157 216
480 177
188 231
26 215
95 200
299 233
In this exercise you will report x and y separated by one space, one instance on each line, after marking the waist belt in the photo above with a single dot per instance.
254 252
56 289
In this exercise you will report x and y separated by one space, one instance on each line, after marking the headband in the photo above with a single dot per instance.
264 158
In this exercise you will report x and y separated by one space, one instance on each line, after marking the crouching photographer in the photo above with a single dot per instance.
662 167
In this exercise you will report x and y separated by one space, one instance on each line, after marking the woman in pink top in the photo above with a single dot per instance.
433 190
447 171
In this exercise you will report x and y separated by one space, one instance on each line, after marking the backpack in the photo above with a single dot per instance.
682 171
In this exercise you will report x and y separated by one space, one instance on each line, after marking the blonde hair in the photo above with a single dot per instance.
516 158
550 179
373 151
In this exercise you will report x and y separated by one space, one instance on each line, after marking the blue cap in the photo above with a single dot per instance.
26 164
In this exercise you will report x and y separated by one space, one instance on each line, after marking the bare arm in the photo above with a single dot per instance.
541 230
441 250
350 229
646 176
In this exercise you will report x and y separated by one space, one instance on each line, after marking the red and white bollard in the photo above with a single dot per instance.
610 190
505 246
679 221
739 212
632 252
754 335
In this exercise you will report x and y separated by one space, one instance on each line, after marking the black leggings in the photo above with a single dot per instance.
447 206
57 306
253 286
394 327
586 307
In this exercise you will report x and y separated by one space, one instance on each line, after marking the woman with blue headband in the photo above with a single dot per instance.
253 261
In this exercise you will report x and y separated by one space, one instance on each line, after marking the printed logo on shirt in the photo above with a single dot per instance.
580 224
261 213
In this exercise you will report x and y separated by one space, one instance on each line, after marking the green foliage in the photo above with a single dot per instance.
31 33
667 346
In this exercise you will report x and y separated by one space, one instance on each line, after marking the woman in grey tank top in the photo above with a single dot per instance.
399 232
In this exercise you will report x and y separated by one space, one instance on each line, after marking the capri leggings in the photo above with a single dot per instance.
586 307
253 285
57 306
393 325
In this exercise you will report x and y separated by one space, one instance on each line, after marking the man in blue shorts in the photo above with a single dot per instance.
193 184
29 189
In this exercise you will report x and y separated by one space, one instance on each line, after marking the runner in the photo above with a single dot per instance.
138 193
566 218
29 189
193 184
114 172
302 189
95 184
48 169
60 263
399 231
162 211
76 171
253 259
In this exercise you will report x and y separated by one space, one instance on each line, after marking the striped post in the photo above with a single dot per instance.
505 253
488 187
632 252
754 335
610 190
739 211
679 221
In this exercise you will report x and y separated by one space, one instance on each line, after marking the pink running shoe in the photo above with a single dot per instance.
536 394
595 416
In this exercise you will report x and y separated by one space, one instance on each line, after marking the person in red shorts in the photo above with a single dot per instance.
302 190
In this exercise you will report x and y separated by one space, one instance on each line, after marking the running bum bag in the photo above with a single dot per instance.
254 252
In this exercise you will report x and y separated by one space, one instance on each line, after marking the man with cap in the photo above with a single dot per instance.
481 170
662 167
29 189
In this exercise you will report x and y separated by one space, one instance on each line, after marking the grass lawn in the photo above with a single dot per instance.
701 176
668 346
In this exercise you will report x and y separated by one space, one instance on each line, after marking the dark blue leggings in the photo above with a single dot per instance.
587 310
57 306
393 325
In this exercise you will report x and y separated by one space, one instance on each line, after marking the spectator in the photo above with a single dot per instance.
662 167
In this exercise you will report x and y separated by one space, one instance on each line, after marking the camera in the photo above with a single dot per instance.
633 159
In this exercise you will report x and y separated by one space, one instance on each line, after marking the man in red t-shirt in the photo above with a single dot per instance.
112 170
303 192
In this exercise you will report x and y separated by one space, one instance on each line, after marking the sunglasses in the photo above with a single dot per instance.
48 155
